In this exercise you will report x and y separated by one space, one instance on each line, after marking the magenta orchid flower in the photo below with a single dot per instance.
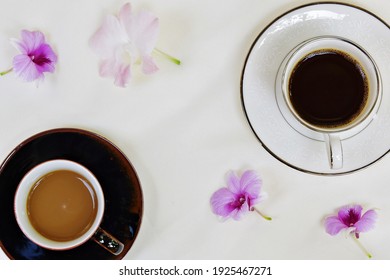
351 220
125 40
238 197
36 57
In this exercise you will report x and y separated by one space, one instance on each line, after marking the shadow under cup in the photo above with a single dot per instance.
329 89
59 205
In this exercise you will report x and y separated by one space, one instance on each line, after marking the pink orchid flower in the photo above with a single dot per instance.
36 57
239 197
125 40
351 220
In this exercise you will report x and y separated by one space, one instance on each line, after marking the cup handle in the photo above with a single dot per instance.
108 242
334 150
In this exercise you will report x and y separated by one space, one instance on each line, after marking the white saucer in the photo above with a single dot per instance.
260 71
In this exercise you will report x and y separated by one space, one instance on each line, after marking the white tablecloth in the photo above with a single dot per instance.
183 128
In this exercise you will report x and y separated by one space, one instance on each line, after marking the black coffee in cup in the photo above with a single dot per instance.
328 88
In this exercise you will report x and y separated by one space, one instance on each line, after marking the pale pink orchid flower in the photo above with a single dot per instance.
125 40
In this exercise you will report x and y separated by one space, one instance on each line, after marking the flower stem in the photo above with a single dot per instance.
361 247
5 72
169 57
261 214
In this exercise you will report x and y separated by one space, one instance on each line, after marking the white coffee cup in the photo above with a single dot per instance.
332 136
94 232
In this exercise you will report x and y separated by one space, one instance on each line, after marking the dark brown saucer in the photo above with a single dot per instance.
122 191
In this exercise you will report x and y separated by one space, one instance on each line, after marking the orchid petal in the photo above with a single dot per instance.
122 76
45 58
46 51
108 38
250 183
349 215
367 221
233 183
115 69
333 225
25 68
221 202
106 68
147 32
148 65
32 40
19 45
126 18
238 213
142 29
